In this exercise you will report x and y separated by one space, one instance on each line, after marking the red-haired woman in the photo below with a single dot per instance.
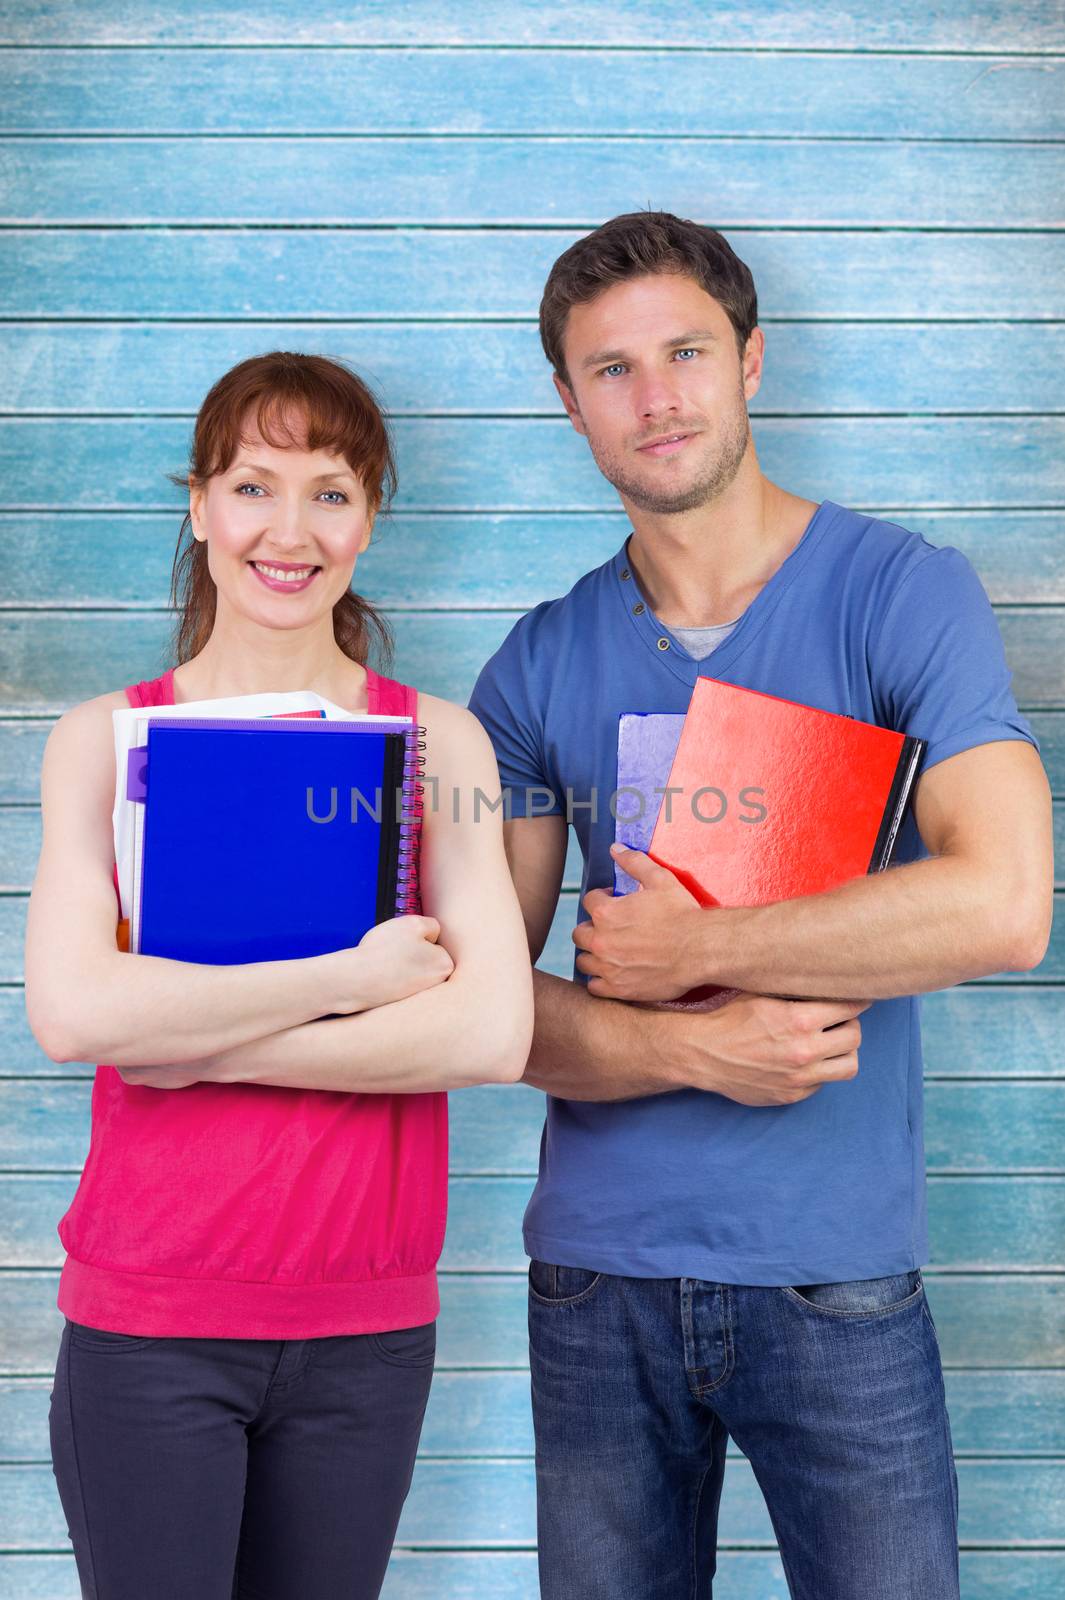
250 1285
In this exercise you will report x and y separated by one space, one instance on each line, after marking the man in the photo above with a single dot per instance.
730 1219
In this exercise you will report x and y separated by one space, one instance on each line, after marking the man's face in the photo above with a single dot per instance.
658 388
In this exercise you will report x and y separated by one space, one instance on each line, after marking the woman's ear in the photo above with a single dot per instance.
370 518
196 513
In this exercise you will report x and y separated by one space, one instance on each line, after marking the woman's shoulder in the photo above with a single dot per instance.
81 742
86 718
445 717
457 749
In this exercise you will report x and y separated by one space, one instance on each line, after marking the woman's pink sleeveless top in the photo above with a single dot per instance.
247 1211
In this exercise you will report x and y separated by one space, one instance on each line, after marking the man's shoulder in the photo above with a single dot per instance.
879 555
878 541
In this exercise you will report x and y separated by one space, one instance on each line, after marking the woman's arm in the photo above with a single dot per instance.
474 1028
89 1001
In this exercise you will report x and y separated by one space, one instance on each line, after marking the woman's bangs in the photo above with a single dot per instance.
316 415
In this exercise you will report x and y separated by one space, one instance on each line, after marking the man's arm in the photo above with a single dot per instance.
755 1050
981 903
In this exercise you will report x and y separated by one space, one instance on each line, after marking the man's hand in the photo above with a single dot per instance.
763 1051
647 945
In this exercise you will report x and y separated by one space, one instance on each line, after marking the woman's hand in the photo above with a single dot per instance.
395 959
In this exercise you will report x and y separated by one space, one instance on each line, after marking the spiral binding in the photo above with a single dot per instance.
408 889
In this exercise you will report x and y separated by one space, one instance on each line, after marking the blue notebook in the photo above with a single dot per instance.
271 839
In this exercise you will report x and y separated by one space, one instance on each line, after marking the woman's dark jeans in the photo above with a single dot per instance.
236 1469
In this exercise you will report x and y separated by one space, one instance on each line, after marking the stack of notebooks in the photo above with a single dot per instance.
264 827
770 799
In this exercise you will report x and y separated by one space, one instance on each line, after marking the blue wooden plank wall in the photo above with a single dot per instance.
185 185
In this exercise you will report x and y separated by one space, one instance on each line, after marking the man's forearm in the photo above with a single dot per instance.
909 930
588 1049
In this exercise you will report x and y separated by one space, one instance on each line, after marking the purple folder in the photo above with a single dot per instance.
647 743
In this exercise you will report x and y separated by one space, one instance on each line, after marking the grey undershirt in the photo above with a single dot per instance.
699 642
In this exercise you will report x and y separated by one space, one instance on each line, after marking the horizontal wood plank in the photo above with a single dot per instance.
558 952
499 369
22 744
571 182
20 843
965 25
488 1414
980 1127
512 1575
541 464
441 654
446 560
501 91
996 1031
416 273
455 1504
975 1224
48 667
999 1321
972 1032
249 178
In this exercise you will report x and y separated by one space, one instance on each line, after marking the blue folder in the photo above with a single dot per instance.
268 840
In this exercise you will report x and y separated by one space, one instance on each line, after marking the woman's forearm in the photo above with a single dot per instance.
449 1037
134 1010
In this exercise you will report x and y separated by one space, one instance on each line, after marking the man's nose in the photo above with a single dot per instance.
657 396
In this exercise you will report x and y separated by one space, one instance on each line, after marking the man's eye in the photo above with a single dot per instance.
614 367
686 352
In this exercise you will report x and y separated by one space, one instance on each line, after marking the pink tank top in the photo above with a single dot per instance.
247 1211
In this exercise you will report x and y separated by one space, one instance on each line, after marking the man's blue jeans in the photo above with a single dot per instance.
834 1392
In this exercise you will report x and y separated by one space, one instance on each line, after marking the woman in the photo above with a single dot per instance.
250 1289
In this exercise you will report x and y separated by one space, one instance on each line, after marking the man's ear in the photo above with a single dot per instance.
572 408
753 357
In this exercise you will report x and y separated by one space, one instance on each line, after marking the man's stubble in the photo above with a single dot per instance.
712 480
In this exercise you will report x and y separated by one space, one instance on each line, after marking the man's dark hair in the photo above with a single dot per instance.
632 246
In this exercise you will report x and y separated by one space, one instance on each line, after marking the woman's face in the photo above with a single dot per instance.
283 527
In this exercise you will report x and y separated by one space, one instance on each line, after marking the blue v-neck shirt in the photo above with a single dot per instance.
863 617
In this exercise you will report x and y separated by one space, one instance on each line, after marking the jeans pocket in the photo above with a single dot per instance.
556 1285
861 1297
87 1338
407 1347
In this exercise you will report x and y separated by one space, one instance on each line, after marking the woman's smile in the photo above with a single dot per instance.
284 575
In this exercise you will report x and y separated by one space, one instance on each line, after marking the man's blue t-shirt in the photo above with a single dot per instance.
863 617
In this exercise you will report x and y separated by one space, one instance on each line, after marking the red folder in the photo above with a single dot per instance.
778 800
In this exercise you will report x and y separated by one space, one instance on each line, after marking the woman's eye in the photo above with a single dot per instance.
255 491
